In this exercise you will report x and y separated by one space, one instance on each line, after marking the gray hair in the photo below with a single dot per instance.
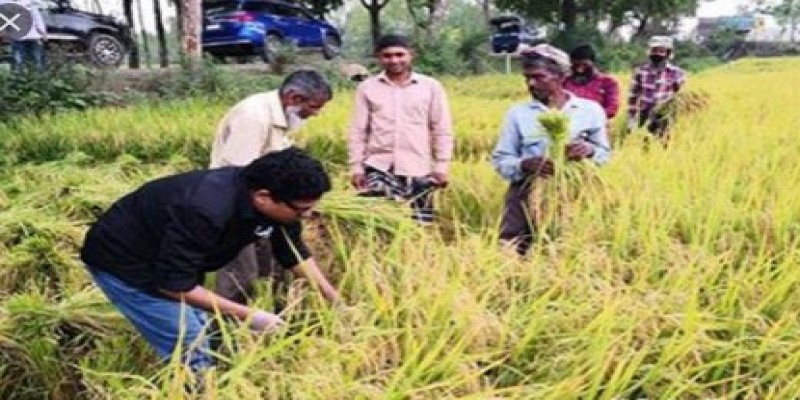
307 82
543 63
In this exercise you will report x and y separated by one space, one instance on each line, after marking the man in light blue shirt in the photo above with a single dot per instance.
520 156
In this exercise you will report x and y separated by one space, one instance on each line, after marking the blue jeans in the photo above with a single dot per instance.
164 323
27 52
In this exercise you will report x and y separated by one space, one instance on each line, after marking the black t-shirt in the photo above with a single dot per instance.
168 233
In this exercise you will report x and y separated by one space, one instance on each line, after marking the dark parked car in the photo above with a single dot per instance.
99 39
243 28
509 32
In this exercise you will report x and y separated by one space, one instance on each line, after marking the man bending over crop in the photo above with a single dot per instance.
150 251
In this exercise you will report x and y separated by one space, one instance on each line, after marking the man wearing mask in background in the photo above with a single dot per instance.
588 82
258 125
653 84
400 138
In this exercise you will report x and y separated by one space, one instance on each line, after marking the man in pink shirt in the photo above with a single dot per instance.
400 137
586 81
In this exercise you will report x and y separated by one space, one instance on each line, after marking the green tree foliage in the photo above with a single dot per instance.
320 8
571 16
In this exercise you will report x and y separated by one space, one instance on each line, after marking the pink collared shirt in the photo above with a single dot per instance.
406 128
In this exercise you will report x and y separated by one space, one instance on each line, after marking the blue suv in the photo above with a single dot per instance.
244 28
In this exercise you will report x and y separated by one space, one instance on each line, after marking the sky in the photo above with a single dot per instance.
718 8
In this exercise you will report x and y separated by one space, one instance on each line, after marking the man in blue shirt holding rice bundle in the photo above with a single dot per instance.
521 152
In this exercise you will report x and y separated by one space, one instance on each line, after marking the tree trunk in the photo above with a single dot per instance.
179 25
793 21
415 8
374 8
192 22
614 24
486 9
438 15
569 15
133 55
428 16
163 54
641 28
145 45
375 25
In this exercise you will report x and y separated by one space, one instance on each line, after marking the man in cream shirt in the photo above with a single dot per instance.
258 125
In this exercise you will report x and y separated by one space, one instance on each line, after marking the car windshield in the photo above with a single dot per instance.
54 4
506 26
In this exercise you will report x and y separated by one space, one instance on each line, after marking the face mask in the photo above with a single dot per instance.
293 118
541 96
582 77
657 59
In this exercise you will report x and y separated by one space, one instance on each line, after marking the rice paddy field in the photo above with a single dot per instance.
674 276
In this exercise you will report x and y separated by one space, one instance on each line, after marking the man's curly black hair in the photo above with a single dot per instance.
289 175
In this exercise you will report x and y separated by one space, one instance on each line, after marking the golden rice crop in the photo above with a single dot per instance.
676 276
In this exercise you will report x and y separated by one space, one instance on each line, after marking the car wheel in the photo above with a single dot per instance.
332 47
105 50
272 43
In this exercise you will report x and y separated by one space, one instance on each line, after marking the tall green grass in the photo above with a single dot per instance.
674 278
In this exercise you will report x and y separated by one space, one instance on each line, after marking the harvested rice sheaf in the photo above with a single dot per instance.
556 126
547 195
684 103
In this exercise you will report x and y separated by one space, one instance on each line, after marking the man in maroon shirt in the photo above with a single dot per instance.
588 82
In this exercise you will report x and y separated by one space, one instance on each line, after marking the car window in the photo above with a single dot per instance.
287 11
258 7
53 5
221 7
507 27
303 14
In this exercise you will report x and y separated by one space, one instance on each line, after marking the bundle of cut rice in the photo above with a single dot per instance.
684 103
547 193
